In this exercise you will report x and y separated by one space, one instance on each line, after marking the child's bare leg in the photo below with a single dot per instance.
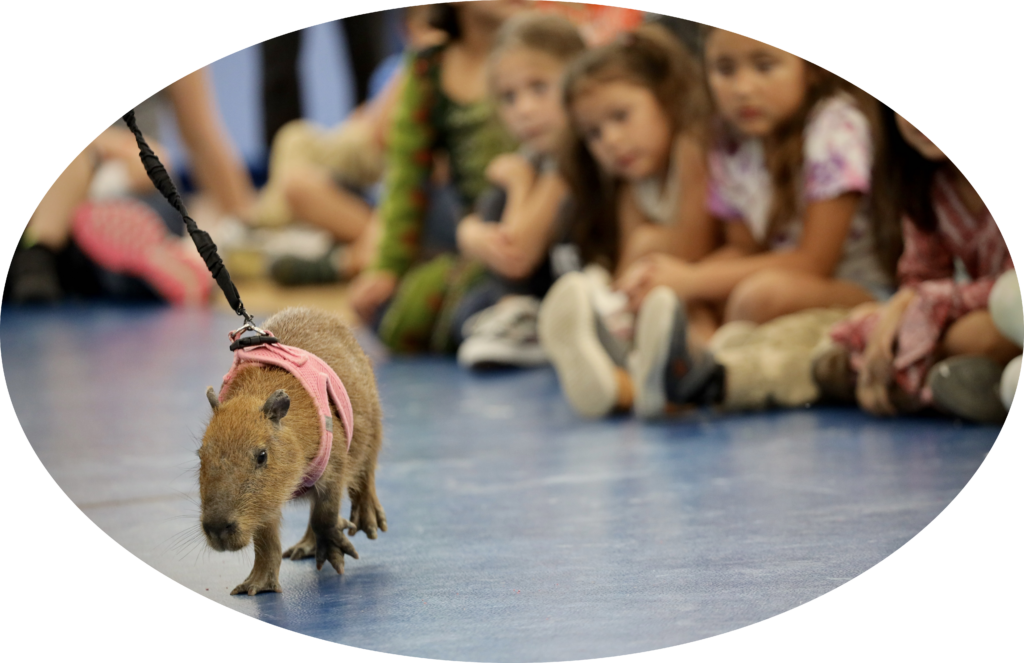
50 224
773 293
976 334
314 197
363 249
294 146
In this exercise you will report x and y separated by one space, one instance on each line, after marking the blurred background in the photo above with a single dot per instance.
326 85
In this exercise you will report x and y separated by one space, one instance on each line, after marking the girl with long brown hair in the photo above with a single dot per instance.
635 165
936 342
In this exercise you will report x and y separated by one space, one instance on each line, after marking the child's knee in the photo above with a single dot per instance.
298 182
760 297
295 140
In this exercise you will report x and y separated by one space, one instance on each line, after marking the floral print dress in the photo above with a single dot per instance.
952 271
837 160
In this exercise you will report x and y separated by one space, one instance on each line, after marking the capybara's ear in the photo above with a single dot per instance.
212 397
277 406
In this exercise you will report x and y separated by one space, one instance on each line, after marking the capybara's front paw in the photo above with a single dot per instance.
367 516
258 582
332 545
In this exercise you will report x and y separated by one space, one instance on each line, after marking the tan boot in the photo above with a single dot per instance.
773 366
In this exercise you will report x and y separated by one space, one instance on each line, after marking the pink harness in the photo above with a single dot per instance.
318 379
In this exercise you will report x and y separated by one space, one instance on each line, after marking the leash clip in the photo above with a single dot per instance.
261 337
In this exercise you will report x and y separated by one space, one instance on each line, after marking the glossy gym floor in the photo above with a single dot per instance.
516 531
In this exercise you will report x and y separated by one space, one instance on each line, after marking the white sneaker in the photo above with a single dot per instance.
503 335
567 326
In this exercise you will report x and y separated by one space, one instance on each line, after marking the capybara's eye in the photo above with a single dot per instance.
261 457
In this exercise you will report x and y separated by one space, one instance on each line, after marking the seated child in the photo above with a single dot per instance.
953 254
518 220
90 237
409 293
636 171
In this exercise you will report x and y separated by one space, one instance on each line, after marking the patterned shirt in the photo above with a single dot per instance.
928 265
837 159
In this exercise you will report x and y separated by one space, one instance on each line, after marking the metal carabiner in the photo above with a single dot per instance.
248 326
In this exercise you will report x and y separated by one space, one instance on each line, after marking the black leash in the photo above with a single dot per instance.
204 243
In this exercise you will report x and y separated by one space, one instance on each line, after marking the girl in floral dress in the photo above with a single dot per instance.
519 227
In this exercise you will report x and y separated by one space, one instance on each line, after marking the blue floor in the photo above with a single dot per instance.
516 531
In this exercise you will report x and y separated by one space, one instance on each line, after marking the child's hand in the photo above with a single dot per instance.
861 311
509 170
369 291
651 271
635 283
477 239
508 257
493 244
873 381
875 376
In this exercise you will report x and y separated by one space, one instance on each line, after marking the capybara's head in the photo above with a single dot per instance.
248 467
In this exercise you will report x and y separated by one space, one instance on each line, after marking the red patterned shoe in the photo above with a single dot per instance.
127 237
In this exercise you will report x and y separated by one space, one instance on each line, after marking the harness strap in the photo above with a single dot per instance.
318 379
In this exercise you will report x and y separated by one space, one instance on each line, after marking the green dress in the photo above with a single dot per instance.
428 121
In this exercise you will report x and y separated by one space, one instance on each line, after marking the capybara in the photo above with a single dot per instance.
265 432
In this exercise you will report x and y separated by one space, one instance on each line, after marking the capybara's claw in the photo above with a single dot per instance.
367 516
252 587
332 547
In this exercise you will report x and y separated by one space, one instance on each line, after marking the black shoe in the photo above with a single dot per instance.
292 270
33 277
968 387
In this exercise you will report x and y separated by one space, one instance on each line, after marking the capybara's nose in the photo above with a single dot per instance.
221 530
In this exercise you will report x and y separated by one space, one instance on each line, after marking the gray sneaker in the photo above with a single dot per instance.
968 387
661 367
